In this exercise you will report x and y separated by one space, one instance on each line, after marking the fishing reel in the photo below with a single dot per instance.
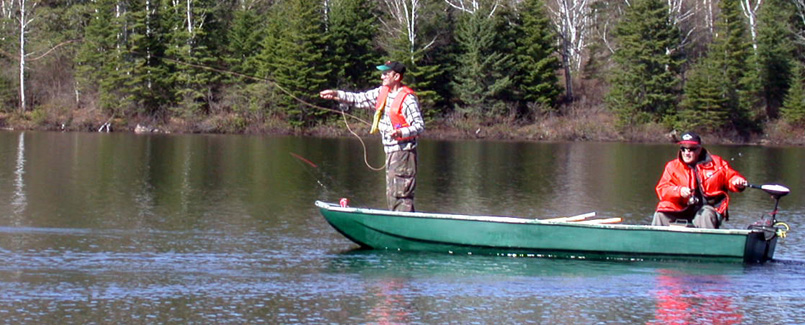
768 222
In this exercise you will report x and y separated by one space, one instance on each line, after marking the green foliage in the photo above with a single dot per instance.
482 73
645 84
775 51
731 50
704 106
148 89
99 58
536 59
730 78
139 58
351 28
243 43
189 47
292 57
793 110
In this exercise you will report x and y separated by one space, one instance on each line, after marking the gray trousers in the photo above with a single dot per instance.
706 217
401 180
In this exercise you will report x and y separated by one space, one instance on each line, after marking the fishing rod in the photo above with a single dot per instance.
342 107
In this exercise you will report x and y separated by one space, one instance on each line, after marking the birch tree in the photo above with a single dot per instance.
409 33
750 9
573 22
471 6
404 18
24 18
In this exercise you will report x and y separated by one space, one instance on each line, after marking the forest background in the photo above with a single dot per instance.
604 70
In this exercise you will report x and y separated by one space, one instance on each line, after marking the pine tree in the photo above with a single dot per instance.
424 63
481 74
243 42
775 51
351 28
96 59
148 88
189 48
793 109
292 57
536 58
645 84
704 107
731 51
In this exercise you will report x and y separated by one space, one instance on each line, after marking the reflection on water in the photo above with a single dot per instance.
120 228
684 299
18 201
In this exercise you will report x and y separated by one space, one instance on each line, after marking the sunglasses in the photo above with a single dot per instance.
685 149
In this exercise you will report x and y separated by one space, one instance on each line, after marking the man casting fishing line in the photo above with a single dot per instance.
398 118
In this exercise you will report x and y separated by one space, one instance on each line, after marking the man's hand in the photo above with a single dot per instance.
329 94
684 192
394 134
739 182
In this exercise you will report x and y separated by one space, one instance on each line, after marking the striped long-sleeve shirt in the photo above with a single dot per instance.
410 110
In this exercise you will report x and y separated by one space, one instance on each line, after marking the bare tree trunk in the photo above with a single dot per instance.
22 55
750 11
405 13
471 6
801 15
189 17
573 21
566 66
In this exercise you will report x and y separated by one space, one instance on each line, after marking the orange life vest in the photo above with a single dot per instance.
395 114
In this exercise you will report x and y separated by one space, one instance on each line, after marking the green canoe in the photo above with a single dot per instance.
511 236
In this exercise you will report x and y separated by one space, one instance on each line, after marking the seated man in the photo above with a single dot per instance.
694 186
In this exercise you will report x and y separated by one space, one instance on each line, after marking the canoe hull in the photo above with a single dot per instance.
461 234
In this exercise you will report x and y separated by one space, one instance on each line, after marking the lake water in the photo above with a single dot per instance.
124 228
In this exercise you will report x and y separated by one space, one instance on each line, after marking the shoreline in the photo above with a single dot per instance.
595 127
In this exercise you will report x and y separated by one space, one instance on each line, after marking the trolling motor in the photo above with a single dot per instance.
768 222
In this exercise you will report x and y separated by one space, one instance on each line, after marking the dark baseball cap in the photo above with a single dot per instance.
392 65
690 138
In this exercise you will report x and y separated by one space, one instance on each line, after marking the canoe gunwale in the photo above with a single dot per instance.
519 220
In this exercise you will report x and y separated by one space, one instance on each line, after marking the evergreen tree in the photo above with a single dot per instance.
402 38
775 51
536 58
793 109
351 28
292 57
189 46
481 75
704 107
731 51
100 57
243 42
645 85
148 88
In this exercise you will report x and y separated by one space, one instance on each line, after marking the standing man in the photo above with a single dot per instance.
399 121
694 186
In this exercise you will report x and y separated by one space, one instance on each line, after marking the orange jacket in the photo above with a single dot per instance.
715 175
395 114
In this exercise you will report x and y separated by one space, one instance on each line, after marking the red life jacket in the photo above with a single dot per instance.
395 114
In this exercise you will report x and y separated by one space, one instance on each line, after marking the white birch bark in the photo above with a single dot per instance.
25 9
750 12
573 21
405 15
679 15
189 12
470 6
800 4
